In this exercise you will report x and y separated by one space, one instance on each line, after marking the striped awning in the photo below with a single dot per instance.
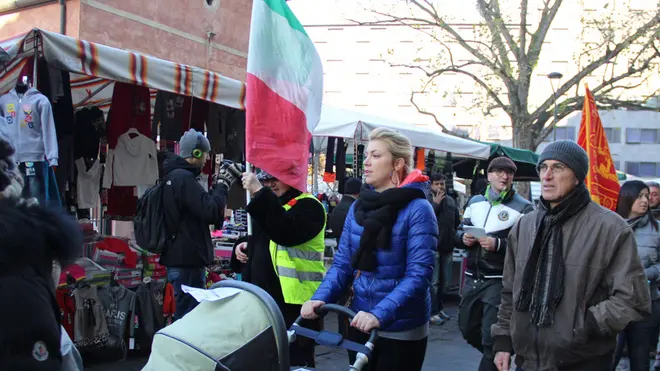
94 69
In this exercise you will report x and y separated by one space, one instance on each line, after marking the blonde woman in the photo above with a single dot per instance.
386 253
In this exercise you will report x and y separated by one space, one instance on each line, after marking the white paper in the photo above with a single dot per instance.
475 232
210 295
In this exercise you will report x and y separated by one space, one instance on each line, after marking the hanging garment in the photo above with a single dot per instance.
150 298
340 163
133 162
419 159
30 126
40 182
215 126
90 328
171 113
199 115
88 185
86 137
67 309
235 135
118 306
130 109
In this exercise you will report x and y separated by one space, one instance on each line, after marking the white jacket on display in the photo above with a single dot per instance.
132 163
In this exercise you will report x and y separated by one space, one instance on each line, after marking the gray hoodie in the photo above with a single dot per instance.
29 126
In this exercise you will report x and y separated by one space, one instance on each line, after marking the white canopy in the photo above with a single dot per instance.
341 123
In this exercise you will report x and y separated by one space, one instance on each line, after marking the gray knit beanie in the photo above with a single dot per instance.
192 140
570 154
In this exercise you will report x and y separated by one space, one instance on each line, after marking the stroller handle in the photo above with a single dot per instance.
324 309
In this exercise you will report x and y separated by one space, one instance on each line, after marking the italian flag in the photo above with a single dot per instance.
284 93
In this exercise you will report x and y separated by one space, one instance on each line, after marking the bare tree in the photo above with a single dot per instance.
506 50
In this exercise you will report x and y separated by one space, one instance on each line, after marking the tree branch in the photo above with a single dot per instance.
538 37
495 23
458 69
427 113
609 55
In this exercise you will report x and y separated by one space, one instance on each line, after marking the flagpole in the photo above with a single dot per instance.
248 169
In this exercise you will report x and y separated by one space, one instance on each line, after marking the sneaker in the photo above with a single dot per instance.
437 320
444 315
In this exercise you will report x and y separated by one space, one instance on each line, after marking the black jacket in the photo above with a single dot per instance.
198 209
497 220
30 239
287 228
448 221
338 216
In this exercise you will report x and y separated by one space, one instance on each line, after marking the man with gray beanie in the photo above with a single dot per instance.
494 214
572 277
191 250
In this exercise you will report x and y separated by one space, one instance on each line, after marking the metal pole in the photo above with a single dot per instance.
248 169
554 130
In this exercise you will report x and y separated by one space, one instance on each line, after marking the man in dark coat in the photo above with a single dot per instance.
449 219
338 217
191 250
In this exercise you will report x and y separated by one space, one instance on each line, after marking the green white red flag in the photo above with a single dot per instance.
284 92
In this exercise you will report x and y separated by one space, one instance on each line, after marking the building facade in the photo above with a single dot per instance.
211 34
364 63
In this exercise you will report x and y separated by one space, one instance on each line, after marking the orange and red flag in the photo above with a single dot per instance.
602 181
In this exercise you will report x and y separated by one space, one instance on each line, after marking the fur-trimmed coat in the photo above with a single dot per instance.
31 238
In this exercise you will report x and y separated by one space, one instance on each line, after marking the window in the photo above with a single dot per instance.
617 165
561 133
613 135
643 169
642 136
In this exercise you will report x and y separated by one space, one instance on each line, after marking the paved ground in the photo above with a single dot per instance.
447 351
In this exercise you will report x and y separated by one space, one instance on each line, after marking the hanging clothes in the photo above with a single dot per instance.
149 308
200 113
40 182
235 135
130 109
172 113
340 163
88 184
419 159
133 162
216 126
118 306
90 327
30 126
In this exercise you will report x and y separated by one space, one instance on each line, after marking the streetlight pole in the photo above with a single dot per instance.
555 77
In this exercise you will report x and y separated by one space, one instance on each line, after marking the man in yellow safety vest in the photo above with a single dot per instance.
284 255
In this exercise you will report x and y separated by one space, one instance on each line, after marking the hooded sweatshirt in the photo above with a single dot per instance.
29 126
133 162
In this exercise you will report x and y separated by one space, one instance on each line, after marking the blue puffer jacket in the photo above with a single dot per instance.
397 293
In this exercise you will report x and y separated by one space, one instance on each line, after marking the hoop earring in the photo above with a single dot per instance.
392 176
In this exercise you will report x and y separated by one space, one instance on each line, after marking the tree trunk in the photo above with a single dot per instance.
523 137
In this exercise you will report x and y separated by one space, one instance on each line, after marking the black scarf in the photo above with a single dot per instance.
377 213
543 277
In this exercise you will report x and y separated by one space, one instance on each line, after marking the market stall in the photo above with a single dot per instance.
524 159
341 123
85 102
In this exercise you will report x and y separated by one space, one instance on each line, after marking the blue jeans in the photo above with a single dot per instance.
193 277
40 182
441 279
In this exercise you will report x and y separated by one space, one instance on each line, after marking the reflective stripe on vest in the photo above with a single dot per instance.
300 268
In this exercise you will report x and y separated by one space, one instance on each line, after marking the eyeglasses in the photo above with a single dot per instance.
556 168
502 172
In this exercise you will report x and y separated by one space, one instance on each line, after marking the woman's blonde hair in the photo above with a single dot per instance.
398 144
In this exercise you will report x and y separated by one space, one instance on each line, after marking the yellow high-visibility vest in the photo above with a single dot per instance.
300 268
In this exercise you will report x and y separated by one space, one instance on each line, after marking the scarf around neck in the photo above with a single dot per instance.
377 213
497 198
638 222
543 277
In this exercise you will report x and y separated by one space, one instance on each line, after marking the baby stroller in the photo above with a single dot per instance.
243 332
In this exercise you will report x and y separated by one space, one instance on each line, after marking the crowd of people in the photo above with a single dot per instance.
566 286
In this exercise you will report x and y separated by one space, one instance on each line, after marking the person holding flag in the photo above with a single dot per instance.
284 255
